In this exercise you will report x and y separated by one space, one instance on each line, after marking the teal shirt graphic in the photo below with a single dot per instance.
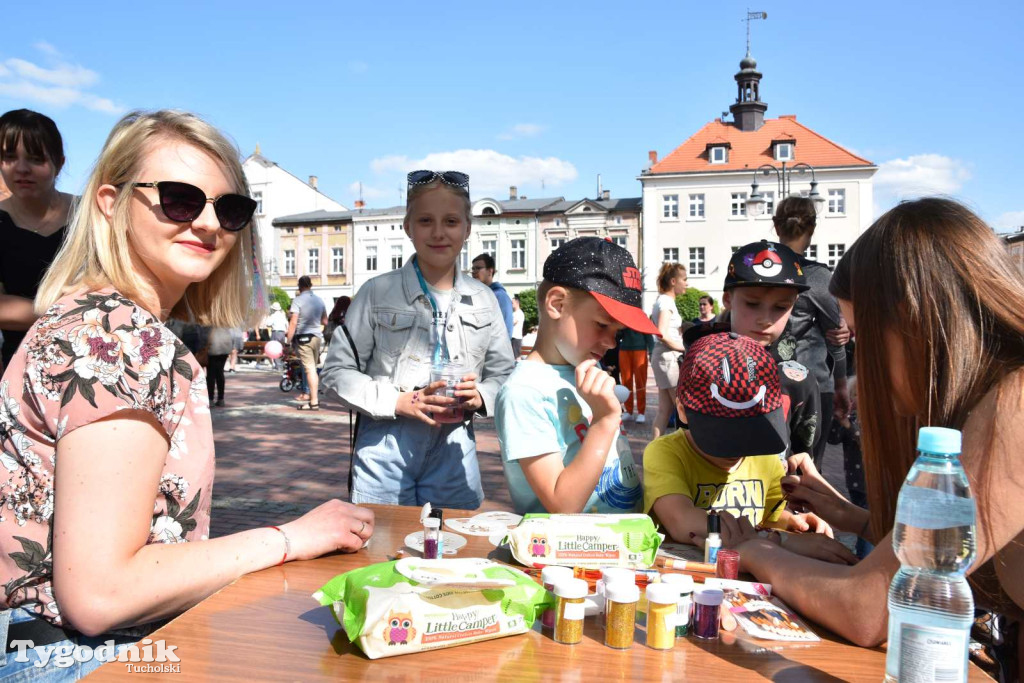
538 412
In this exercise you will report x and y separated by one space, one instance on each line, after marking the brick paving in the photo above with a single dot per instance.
274 462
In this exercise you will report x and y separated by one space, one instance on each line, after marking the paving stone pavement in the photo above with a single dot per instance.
275 462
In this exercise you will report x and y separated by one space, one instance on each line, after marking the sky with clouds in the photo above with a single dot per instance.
544 96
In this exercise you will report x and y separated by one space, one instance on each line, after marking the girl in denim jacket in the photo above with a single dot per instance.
418 445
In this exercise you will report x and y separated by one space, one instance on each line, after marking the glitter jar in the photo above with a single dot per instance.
569 610
728 564
549 576
431 537
684 582
620 614
707 605
610 575
662 599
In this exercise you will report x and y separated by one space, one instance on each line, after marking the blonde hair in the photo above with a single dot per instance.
416 191
97 254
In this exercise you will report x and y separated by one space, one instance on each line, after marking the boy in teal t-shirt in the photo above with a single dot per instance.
557 416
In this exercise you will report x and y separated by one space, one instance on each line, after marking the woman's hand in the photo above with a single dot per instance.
422 404
468 394
811 523
331 526
737 531
807 490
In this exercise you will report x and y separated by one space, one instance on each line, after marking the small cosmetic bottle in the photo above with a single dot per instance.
431 533
439 514
707 606
684 582
549 576
714 540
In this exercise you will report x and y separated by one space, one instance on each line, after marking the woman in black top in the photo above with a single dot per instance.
32 219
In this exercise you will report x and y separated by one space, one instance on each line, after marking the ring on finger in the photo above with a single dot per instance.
360 532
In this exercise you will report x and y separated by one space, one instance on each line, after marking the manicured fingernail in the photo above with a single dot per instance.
693 535
788 488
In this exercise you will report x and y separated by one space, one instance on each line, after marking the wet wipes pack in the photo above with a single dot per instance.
590 541
412 605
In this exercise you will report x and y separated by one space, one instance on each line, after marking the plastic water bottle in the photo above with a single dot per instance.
930 604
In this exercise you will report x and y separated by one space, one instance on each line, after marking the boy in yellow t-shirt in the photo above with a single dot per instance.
728 458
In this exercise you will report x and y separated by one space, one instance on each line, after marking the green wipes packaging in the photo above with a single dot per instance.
394 608
588 541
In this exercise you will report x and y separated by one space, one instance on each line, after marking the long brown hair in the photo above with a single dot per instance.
934 274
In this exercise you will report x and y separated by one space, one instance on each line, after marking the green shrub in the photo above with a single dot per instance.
280 296
688 304
528 304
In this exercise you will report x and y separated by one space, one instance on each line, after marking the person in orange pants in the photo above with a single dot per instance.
634 350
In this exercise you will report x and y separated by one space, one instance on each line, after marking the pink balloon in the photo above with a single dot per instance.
273 350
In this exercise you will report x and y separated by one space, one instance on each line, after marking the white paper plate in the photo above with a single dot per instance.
452 542
472 526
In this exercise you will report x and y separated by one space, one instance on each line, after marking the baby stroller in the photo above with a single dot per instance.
291 377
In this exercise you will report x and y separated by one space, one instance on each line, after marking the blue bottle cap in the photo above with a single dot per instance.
938 440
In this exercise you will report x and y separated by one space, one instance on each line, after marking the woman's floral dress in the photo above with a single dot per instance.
91 355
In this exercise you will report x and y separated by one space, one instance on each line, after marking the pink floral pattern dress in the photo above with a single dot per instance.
91 355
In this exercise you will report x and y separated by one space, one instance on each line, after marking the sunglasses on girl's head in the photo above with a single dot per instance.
183 203
454 178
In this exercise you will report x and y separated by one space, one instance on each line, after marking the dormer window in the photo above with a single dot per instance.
784 150
718 154
488 211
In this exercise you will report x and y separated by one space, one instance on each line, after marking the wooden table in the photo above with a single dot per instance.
266 626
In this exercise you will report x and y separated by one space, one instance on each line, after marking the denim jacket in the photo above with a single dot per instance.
390 320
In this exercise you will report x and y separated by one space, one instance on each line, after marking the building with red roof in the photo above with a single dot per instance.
695 198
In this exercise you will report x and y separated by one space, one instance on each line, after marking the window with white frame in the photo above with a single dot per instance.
837 201
289 262
739 204
811 252
312 231
670 255
558 222
490 246
337 260
696 205
769 198
718 154
556 242
396 256
518 254
696 260
289 231
835 252
464 257
620 240
337 228
784 151
313 262
670 206
258 198
371 257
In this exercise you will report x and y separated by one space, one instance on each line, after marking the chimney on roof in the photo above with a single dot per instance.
513 192
359 203
606 194
653 156
312 181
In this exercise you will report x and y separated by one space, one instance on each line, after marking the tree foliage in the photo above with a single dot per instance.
688 304
528 304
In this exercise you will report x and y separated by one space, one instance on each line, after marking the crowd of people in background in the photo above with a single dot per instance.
123 310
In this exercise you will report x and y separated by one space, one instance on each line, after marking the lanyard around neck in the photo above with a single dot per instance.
438 323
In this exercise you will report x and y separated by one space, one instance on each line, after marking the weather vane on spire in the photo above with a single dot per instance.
753 16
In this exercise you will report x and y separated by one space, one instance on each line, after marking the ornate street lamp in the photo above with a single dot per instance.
756 203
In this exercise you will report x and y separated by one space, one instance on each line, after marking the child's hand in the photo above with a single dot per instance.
422 404
598 389
467 392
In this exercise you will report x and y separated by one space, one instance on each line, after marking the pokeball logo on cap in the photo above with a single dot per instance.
767 263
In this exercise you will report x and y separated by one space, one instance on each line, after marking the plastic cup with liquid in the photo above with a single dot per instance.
451 374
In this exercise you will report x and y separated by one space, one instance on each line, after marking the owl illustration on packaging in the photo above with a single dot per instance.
399 630
539 545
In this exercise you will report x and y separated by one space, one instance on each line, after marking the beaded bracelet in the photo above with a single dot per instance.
287 544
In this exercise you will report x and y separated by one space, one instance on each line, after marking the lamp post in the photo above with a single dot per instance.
756 203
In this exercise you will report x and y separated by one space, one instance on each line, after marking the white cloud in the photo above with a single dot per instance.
1011 220
358 67
59 85
916 176
522 130
489 171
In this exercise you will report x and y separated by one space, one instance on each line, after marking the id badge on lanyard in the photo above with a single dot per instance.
437 337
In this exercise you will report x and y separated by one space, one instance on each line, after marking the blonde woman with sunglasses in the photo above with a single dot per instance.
107 443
